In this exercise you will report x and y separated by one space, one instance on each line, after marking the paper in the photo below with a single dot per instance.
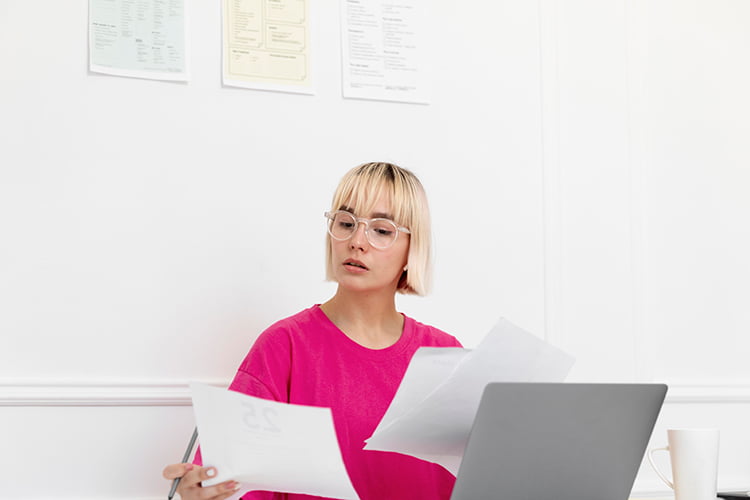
384 50
267 445
138 38
267 45
432 412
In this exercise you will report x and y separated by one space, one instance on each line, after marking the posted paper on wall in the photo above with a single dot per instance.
432 412
267 45
138 38
267 445
384 48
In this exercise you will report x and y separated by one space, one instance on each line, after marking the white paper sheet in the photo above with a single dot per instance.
384 50
267 445
433 410
139 38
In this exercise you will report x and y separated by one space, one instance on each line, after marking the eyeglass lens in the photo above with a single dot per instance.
380 233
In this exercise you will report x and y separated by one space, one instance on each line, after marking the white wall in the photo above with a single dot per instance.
584 162
646 170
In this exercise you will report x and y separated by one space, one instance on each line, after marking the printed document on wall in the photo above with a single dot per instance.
267 45
384 46
139 38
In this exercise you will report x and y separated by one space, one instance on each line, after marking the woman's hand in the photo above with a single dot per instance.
190 485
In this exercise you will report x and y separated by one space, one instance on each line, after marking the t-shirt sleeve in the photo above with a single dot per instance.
264 373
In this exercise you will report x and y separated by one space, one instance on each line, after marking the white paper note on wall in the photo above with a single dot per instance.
139 38
384 50
267 445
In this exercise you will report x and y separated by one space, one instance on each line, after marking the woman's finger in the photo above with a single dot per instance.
207 473
174 471
225 490
190 485
216 492
194 477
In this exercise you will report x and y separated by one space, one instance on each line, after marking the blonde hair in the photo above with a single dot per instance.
361 188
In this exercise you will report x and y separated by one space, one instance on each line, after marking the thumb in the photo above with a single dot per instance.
174 471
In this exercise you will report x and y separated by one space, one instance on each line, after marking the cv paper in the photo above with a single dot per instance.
267 445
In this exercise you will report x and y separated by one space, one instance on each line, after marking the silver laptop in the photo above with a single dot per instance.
539 441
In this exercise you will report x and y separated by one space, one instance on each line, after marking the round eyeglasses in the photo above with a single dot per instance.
380 233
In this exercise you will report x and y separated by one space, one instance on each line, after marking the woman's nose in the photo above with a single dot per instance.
359 238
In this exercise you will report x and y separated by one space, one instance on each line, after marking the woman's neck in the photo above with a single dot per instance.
370 320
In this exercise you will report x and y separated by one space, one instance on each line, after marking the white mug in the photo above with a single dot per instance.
694 455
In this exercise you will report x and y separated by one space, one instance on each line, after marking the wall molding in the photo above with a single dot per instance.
98 393
681 393
177 393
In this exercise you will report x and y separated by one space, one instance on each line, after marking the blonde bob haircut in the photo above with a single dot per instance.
361 188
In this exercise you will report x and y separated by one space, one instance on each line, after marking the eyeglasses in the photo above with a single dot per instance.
381 233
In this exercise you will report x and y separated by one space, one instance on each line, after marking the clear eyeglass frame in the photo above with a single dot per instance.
331 216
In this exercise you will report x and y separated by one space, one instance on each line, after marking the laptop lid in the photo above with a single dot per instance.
538 441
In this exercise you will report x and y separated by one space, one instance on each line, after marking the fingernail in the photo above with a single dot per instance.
211 472
232 486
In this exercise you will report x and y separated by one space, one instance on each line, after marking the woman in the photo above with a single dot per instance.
351 352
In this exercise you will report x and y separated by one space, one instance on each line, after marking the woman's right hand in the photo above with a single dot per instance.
190 485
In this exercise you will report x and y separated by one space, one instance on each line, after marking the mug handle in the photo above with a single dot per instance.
656 469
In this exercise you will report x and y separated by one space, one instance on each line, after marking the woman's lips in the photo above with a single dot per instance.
355 265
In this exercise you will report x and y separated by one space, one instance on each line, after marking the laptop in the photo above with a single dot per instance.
540 441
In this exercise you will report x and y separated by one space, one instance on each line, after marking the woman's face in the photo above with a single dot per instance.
358 266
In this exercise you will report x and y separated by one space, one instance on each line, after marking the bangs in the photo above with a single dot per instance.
361 191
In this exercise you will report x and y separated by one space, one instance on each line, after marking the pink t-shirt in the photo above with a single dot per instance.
305 359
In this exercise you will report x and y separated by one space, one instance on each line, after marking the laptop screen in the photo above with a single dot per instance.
558 441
